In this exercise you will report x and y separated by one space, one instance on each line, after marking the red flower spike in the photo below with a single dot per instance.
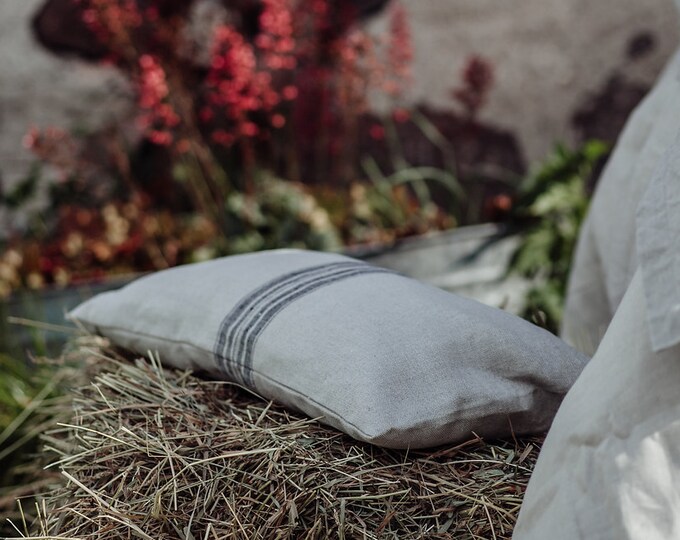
278 121
242 77
400 49
401 115
377 132
156 113
478 79
290 92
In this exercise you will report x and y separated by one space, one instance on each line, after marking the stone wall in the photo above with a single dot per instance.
555 61
39 88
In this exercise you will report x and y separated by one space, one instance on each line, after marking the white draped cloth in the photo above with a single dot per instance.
610 465
613 243
658 248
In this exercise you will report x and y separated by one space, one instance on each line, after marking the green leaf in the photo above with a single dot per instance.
24 190
555 200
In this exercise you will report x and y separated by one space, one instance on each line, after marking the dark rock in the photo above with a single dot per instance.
58 26
603 115
640 45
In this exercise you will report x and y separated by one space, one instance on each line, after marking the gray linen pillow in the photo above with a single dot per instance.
383 357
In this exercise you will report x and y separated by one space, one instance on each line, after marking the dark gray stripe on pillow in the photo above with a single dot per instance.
273 303
252 305
244 324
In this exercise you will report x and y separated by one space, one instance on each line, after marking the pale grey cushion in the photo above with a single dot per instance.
383 357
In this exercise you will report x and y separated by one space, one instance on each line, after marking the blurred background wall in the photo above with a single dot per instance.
40 88
564 69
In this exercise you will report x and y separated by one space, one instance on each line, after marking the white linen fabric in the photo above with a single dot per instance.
385 358
658 241
607 256
610 466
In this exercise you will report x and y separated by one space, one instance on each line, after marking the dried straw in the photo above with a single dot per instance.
152 453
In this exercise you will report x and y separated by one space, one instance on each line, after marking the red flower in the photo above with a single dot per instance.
276 37
478 79
110 20
278 121
289 92
244 79
401 115
30 139
400 49
157 116
377 132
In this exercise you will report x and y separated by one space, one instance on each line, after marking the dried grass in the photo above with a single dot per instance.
152 453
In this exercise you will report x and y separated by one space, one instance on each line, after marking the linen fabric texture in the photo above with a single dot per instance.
610 466
607 253
380 356
658 241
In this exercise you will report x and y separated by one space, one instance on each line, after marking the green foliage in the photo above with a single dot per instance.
23 391
28 395
23 191
399 204
278 214
553 202
15 390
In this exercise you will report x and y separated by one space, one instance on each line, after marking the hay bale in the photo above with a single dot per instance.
154 453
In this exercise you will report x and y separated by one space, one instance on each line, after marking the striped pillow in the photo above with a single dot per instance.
244 324
385 358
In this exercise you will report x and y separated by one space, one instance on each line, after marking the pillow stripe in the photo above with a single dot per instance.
253 305
242 327
247 357
240 313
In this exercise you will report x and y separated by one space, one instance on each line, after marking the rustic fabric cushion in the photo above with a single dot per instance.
385 358
607 254
610 466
